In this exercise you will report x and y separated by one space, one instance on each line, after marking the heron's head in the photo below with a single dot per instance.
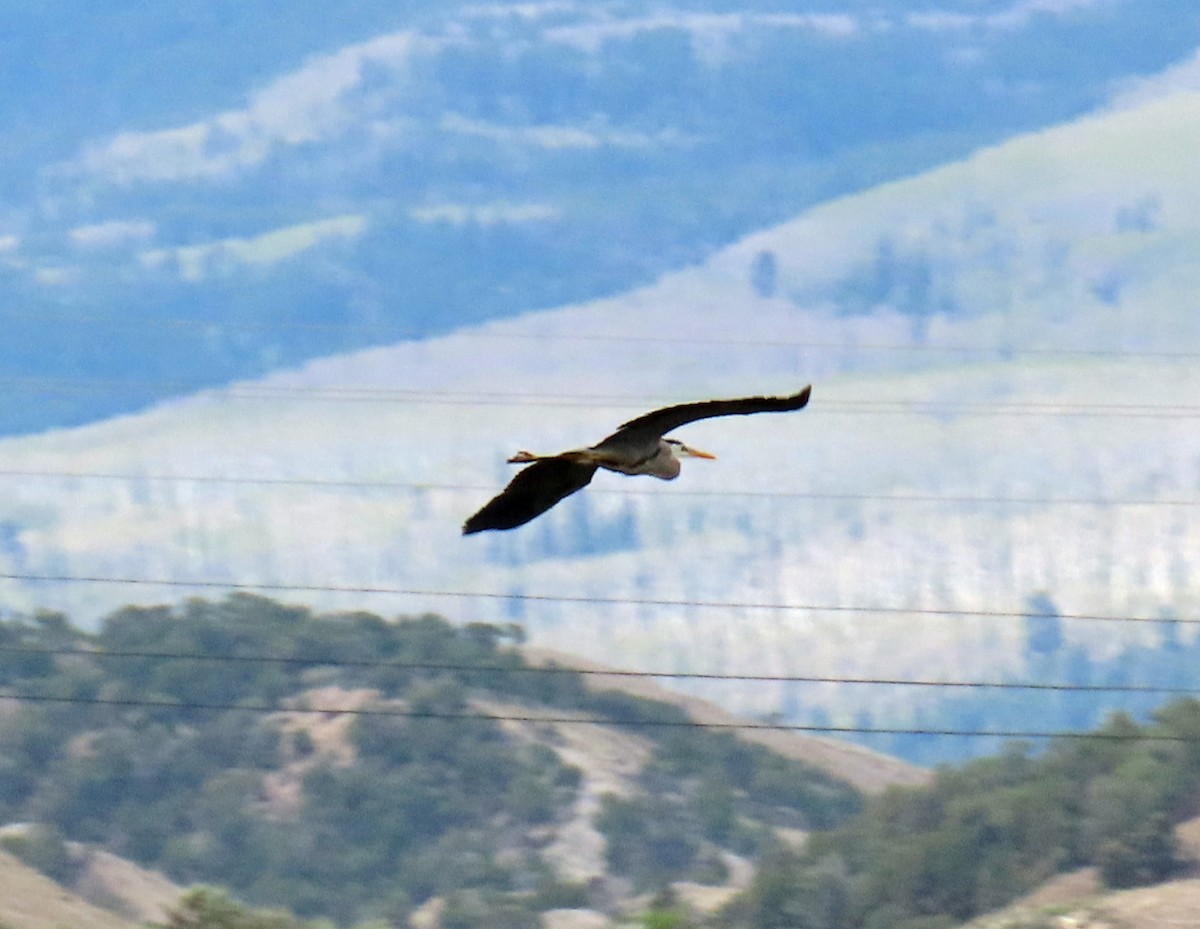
686 451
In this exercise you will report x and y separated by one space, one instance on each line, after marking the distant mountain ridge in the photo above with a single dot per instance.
215 196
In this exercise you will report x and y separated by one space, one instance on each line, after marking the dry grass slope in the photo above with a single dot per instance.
871 772
1172 905
28 900
122 887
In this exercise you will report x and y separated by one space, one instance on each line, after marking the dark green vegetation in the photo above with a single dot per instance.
131 738
733 792
989 831
208 908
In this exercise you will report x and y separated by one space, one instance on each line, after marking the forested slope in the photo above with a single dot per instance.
346 766
986 833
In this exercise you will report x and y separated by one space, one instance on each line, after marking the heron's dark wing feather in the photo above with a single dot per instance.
660 422
533 491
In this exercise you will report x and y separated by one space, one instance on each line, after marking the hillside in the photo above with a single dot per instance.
626 809
1002 351
1080 899
867 771
350 768
1094 821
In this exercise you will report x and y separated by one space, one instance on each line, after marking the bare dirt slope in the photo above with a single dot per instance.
1172 905
869 771
609 761
124 888
29 900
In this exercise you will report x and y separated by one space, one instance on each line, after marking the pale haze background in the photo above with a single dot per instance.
284 284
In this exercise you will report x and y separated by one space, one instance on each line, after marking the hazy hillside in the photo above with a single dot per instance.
192 193
1026 446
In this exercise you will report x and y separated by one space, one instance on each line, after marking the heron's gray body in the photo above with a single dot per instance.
632 457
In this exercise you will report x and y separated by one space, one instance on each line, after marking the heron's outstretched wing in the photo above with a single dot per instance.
533 491
660 422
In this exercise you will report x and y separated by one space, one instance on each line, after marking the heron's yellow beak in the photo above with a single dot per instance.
696 453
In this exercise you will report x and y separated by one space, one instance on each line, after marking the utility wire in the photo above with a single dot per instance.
620 491
407 333
1105 735
541 401
595 600
529 398
599 672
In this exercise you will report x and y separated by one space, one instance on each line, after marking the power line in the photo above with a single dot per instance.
593 600
531 398
1105 735
599 672
622 491
409 333
597 401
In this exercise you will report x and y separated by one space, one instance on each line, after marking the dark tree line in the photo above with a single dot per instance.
987 832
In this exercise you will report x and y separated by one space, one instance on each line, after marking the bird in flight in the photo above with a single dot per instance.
637 447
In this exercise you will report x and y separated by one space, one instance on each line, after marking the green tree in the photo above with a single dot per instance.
715 808
209 908
1127 822
649 839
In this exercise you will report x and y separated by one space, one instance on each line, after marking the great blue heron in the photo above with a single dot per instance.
637 447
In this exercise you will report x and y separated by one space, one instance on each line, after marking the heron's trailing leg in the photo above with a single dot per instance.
579 455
